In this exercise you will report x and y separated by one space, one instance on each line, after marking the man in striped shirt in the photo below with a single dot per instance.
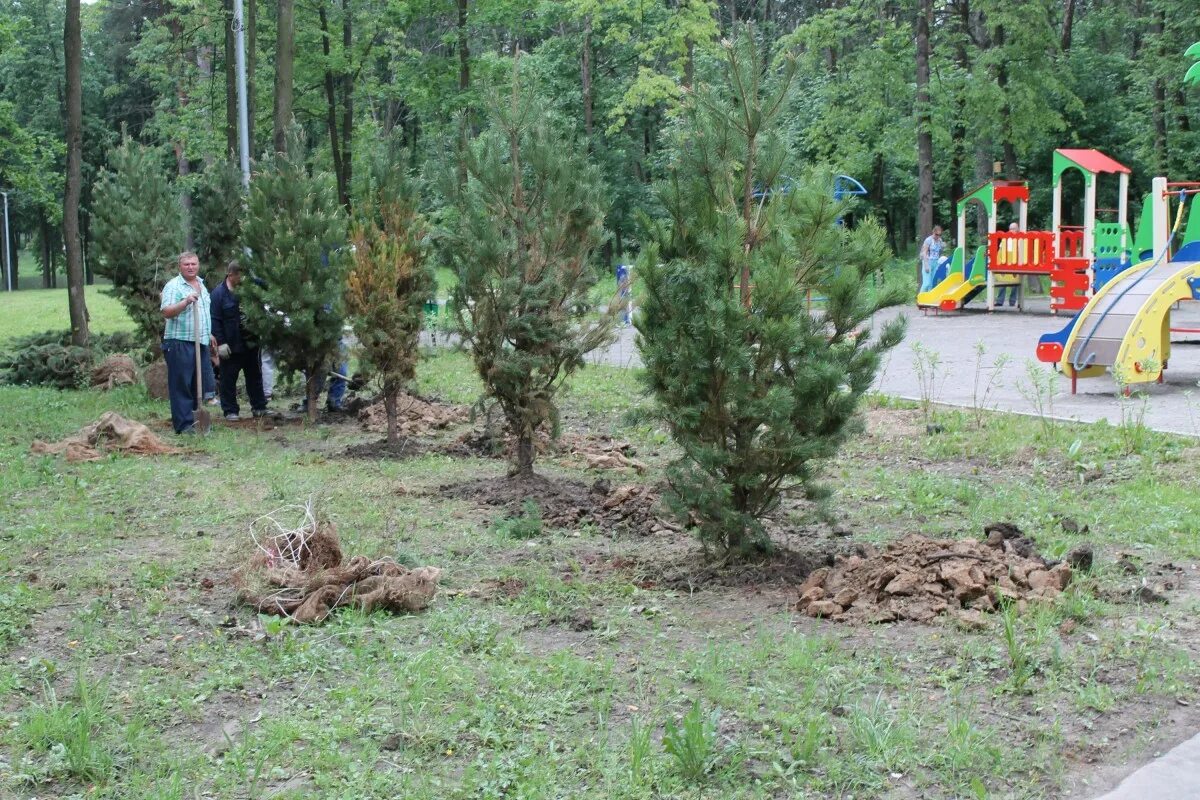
179 296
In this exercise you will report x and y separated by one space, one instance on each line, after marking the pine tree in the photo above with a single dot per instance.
529 218
754 387
138 229
295 233
389 281
218 206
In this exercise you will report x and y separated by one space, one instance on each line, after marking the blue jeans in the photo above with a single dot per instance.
181 381
927 269
1012 297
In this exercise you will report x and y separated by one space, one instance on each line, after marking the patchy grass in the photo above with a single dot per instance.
37 310
549 668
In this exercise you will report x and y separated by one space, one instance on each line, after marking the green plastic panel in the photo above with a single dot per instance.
1062 164
1192 232
979 265
1143 240
984 194
1108 241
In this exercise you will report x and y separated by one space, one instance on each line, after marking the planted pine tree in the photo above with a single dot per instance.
295 235
389 281
218 207
756 388
528 220
138 229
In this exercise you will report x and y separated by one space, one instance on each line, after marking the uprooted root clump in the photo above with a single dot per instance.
918 579
300 574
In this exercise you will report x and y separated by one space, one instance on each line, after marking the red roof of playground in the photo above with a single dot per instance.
1094 161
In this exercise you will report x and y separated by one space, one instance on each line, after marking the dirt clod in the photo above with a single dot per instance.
1082 558
918 579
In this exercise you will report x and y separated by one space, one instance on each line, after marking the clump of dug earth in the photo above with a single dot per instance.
919 579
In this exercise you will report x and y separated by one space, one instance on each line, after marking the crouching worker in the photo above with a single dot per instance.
179 296
237 348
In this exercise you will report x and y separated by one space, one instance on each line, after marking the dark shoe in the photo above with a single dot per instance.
260 412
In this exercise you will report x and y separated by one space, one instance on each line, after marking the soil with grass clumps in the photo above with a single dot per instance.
565 503
918 579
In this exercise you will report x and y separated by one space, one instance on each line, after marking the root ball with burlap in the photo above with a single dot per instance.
300 574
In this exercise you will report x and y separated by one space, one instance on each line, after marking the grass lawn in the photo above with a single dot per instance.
585 661
36 310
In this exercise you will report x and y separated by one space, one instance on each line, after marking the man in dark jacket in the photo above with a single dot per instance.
237 348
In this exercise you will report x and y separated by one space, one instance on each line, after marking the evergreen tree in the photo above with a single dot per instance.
529 218
755 388
294 232
138 227
218 206
389 281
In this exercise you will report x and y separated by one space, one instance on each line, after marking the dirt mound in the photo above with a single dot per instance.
116 370
586 450
300 575
567 503
918 578
416 416
155 378
111 432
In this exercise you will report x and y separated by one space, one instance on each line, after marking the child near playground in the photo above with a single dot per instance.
931 254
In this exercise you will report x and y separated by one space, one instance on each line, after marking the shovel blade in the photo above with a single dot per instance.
203 421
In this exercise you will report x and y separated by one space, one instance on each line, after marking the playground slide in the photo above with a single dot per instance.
1125 327
955 290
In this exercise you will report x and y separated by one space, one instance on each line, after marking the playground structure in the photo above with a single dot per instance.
1125 327
1078 259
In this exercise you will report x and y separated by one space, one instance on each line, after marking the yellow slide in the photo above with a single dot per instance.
950 294
1126 326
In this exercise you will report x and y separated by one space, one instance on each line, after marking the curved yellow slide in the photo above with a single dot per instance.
1126 326
953 287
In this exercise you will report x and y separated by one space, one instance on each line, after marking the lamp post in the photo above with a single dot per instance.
7 247
243 118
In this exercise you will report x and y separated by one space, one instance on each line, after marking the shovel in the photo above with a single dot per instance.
203 418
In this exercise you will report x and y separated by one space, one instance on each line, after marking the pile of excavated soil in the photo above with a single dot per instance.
155 378
569 504
589 451
416 417
301 575
116 370
111 432
918 579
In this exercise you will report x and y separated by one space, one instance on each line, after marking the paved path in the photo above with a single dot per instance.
1174 776
954 337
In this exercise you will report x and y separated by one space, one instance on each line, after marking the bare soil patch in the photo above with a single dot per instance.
566 503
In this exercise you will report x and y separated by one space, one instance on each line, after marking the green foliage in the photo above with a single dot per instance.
754 387
693 742
528 220
526 525
217 212
295 231
68 734
49 358
389 280
138 228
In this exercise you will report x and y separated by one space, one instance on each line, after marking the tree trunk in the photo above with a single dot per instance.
389 407
311 395
1159 109
347 104
231 116
524 465
464 83
1068 21
73 51
184 168
47 251
924 124
983 172
85 224
331 110
586 77
285 46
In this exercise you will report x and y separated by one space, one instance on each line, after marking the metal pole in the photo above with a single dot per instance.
243 115
7 246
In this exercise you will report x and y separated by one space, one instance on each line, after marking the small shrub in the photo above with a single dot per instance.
693 742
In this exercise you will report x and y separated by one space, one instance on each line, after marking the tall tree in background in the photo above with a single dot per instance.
294 234
73 51
389 281
924 123
529 220
139 233
285 50
754 387
218 207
